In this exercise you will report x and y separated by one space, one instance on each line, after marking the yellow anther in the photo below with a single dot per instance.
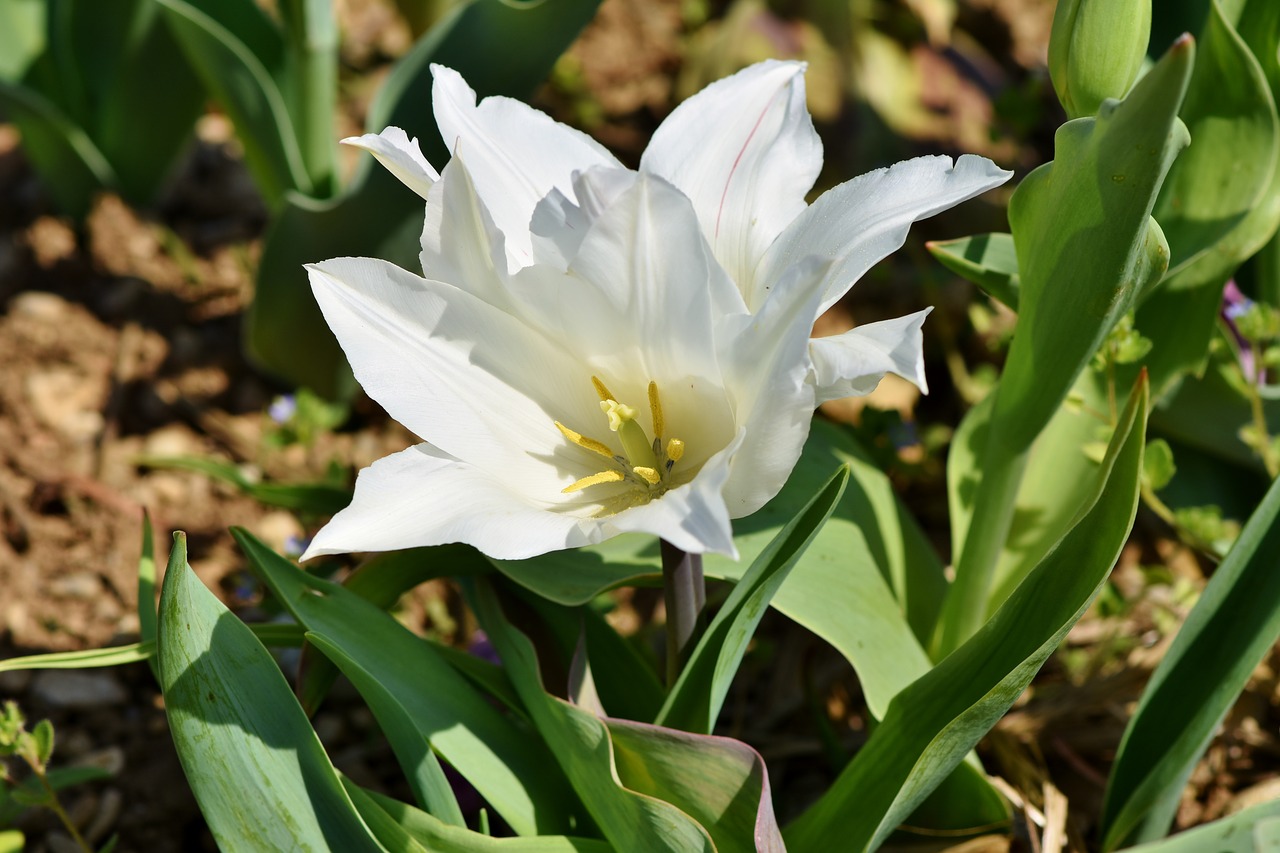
619 413
594 480
584 442
655 409
675 449
605 393
649 475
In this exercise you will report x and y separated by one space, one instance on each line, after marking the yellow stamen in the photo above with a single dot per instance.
675 449
605 393
593 480
584 442
649 475
655 408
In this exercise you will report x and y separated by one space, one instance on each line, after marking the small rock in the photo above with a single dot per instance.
57 842
80 586
172 440
38 305
66 401
275 528
66 688
111 759
73 744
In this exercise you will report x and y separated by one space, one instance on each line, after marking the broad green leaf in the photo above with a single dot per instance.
1087 247
439 837
987 260
580 742
378 217
512 771
254 764
1252 830
1232 627
1221 202
310 85
60 150
246 90
411 746
934 722
696 698
720 782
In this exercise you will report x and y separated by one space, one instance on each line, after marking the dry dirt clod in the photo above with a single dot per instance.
64 688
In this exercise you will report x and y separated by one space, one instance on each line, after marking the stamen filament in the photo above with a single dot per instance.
594 480
584 442
655 409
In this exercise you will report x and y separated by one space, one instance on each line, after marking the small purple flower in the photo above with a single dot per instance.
283 408
1234 306
295 545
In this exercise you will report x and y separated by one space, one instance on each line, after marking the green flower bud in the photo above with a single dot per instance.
1096 50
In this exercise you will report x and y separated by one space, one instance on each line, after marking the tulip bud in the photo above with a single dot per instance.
1096 50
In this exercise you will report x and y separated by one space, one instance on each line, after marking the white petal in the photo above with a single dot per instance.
863 220
421 496
461 244
853 363
639 303
744 150
692 517
559 225
400 155
766 364
471 379
516 154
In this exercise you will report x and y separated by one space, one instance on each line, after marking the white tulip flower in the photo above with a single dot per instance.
596 350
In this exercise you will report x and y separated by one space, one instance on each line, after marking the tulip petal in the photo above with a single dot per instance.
853 363
767 365
422 496
516 154
476 381
400 155
461 245
863 220
745 151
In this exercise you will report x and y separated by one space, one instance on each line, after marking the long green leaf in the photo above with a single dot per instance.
934 722
696 698
1232 627
987 260
254 764
378 217
581 745
1087 247
1253 830
512 771
418 827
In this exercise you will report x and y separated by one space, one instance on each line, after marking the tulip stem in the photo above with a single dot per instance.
684 590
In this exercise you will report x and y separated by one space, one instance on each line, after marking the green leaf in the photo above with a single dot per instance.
147 588
934 722
509 769
22 36
696 698
87 659
439 837
1231 628
719 782
412 748
11 840
247 92
378 217
987 260
315 498
581 745
43 735
1221 201
1087 247
1254 829
254 764
60 150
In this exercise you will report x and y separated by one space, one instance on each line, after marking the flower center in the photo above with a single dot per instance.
646 463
